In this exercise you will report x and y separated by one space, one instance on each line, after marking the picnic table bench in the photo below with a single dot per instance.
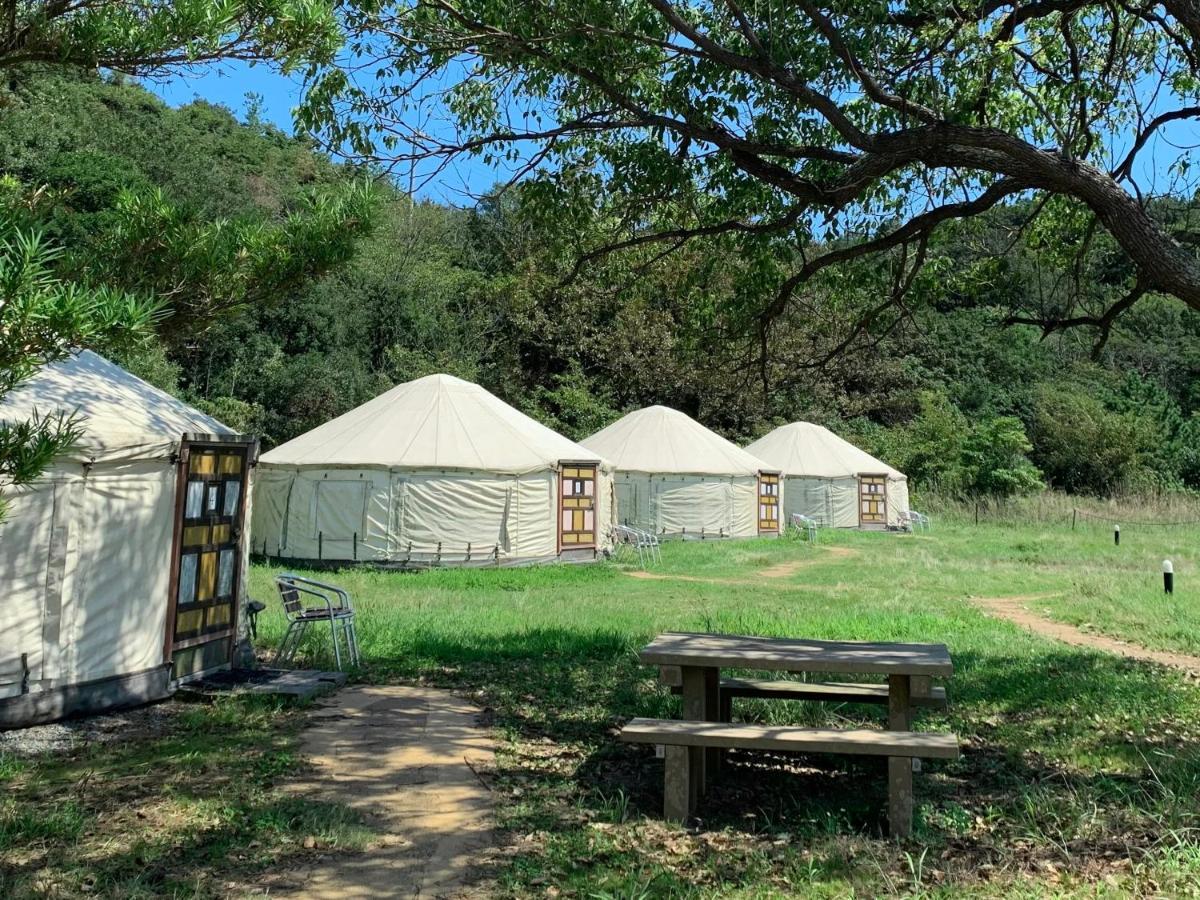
691 663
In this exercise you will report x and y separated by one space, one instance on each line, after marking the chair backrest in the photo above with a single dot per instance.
294 590
293 604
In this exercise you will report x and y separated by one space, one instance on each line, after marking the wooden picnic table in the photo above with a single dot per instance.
699 659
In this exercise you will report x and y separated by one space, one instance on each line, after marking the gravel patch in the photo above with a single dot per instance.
72 734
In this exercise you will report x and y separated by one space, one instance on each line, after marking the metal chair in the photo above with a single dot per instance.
652 545
805 524
913 520
306 601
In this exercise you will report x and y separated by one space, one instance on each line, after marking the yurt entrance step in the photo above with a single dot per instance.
300 684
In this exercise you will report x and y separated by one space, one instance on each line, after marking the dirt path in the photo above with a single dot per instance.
775 572
1016 610
410 760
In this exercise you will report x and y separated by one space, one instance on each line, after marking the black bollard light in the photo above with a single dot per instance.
1117 535
1168 577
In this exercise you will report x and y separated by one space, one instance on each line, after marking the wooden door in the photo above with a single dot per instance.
212 499
872 500
577 507
768 504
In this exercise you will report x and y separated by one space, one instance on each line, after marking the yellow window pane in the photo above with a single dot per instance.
220 534
195 535
189 621
207 582
203 464
218 615
230 464
577 520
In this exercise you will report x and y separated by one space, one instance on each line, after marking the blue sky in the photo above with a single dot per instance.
229 83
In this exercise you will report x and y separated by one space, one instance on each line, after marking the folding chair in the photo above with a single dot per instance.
306 601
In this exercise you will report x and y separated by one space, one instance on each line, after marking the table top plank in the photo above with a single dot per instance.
678 648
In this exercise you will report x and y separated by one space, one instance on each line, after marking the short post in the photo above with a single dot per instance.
1074 513
1168 577
1117 535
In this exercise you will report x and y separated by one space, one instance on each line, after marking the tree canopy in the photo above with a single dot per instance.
139 36
803 137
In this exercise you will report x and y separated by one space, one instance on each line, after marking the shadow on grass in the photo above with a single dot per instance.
1057 746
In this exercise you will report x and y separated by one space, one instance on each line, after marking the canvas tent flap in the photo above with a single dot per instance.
436 422
805 449
663 441
117 610
412 512
694 505
123 417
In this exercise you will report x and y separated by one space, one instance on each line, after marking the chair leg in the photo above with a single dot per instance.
337 653
355 656
283 655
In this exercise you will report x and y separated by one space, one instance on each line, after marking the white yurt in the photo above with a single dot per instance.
829 479
677 478
436 471
123 564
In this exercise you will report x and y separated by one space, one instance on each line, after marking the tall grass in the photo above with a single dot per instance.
1175 509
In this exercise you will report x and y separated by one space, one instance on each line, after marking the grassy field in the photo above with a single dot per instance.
1079 775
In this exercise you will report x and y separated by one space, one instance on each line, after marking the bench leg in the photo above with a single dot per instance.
701 691
679 787
900 768
919 686
900 796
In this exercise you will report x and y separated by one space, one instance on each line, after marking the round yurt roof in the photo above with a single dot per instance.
119 414
804 449
660 440
435 422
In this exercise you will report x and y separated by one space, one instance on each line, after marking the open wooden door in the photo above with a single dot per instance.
577 507
768 503
872 501
207 563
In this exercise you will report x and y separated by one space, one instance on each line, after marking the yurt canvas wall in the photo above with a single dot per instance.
675 477
829 479
434 471
91 552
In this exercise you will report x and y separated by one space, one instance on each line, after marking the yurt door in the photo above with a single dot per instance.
208 559
872 500
577 508
768 504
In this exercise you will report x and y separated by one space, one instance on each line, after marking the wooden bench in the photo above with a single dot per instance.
681 787
822 691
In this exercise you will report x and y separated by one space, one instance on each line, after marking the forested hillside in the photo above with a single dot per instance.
294 288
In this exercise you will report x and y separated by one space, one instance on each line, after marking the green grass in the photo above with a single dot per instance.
1079 774
191 809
